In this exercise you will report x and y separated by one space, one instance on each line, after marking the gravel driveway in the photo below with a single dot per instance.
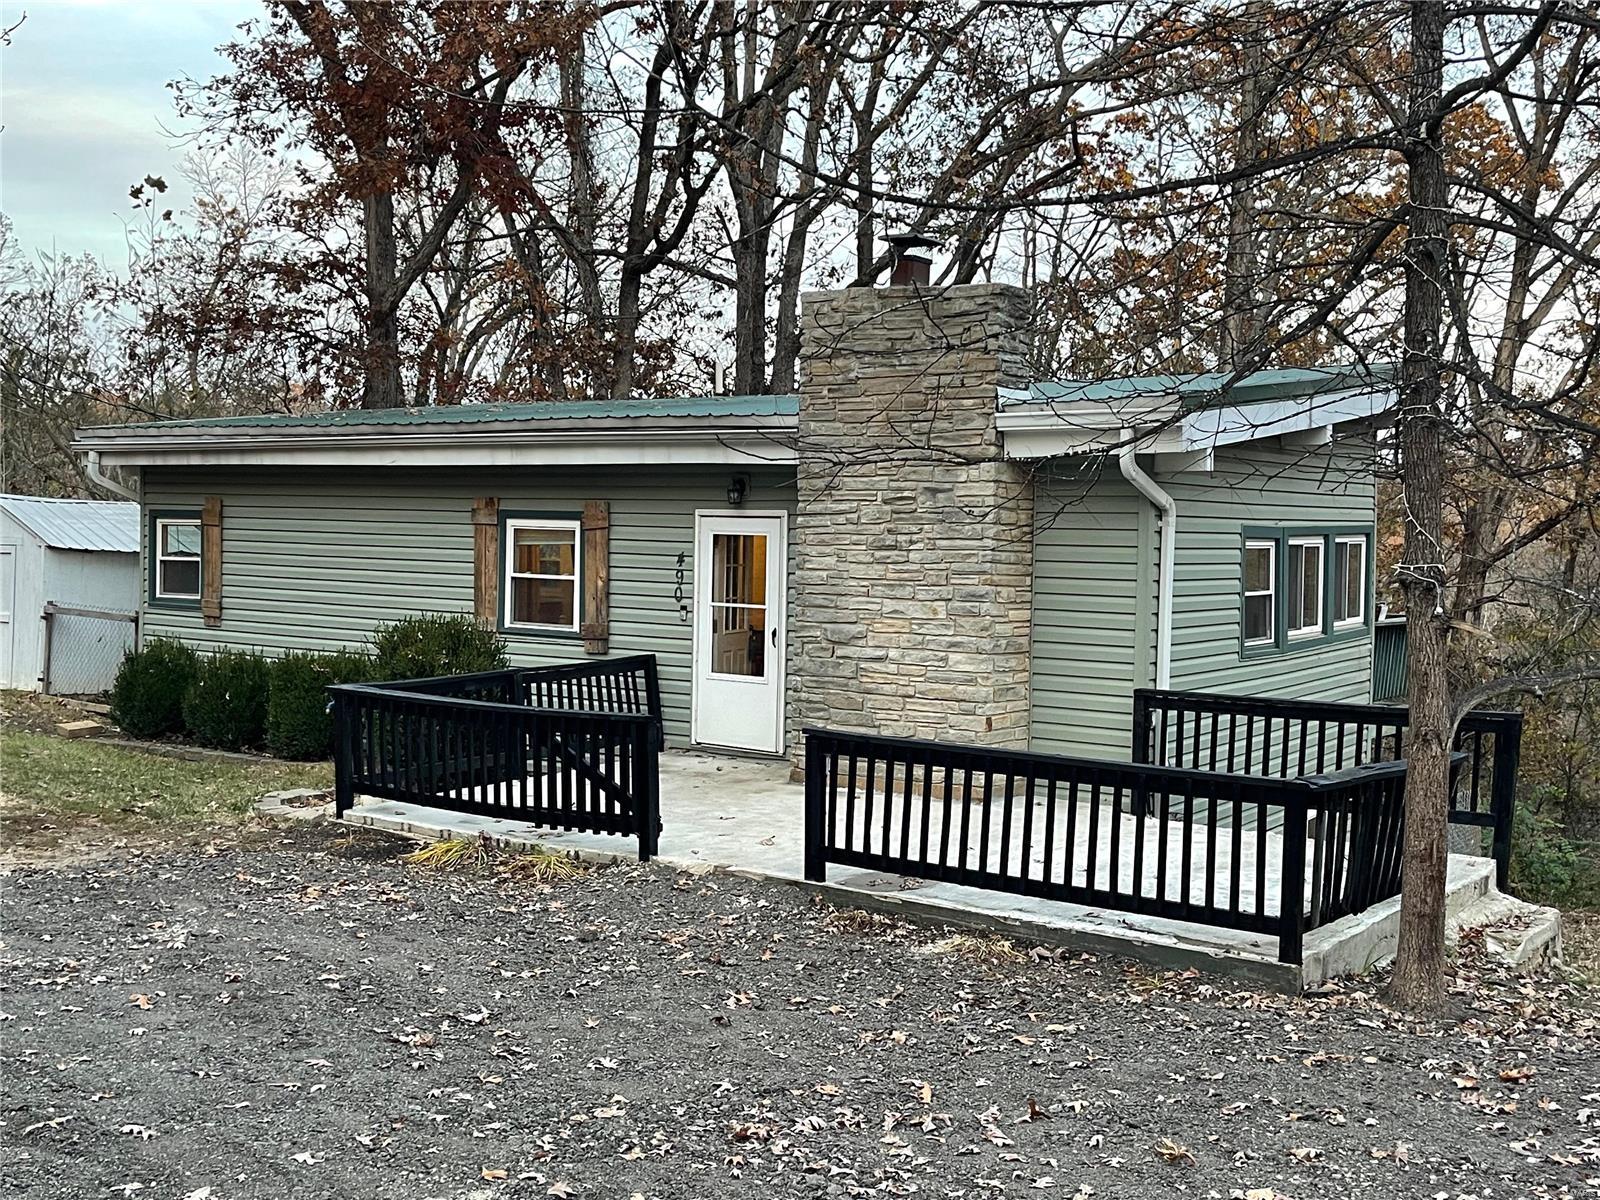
307 1017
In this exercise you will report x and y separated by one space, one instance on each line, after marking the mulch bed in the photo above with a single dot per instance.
307 1016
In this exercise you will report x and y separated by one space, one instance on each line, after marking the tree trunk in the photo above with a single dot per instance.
382 367
1418 981
1239 332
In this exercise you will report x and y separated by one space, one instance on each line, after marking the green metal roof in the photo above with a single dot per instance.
1197 390
474 414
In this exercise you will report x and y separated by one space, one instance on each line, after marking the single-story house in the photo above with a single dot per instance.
924 541
61 562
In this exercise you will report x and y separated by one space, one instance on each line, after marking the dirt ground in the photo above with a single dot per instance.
302 1015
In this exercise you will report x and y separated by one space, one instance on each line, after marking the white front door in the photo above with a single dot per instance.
740 602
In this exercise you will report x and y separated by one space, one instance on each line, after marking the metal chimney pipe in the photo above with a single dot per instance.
912 263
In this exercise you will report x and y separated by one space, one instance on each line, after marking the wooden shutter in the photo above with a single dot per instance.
596 628
486 560
211 560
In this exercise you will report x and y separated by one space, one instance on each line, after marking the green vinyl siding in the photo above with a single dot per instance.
1093 608
314 559
1252 488
1096 555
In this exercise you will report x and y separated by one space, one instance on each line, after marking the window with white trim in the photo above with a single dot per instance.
1305 586
177 558
541 583
1260 592
1349 581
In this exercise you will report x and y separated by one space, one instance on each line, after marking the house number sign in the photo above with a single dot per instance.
677 592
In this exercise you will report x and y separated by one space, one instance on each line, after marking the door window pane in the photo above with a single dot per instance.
739 627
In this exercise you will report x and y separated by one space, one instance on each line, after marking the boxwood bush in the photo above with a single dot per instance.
437 644
226 705
147 696
298 722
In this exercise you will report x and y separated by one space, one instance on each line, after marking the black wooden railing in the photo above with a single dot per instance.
1085 831
488 745
1285 739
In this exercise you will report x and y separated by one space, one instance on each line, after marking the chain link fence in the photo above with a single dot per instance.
83 648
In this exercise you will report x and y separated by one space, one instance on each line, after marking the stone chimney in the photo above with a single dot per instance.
913 548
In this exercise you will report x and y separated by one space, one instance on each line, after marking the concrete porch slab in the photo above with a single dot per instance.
745 817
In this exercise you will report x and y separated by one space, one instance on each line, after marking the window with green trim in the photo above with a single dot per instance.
1302 587
175 549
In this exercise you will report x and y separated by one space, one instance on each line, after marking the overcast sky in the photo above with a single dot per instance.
83 99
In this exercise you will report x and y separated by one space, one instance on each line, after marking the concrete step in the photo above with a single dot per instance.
1525 937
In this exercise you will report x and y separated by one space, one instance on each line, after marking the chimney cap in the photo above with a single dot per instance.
911 240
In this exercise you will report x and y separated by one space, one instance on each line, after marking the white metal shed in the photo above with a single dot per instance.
69 591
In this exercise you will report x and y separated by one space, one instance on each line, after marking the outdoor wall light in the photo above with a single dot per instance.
738 486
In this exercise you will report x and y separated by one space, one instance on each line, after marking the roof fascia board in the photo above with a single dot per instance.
1050 431
741 447
1232 424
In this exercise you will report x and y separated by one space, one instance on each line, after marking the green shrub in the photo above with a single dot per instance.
298 722
1548 868
226 705
147 697
417 647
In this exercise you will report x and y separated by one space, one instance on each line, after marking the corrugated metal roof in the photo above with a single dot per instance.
472 414
77 524
1197 388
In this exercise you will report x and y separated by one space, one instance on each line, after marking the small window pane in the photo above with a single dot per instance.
544 552
1257 569
1257 618
739 574
179 577
738 641
543 602
1350 561
180 539
1305 586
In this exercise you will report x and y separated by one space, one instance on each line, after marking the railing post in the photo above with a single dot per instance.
344 757
652 688
1141 747
1292 882
647 743
816 853
1503 797
1141 726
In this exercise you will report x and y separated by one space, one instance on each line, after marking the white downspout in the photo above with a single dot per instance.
97 475
1167 561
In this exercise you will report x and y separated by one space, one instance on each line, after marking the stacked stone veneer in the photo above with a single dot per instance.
913 547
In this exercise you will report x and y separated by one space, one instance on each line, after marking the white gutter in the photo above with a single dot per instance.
1167 562
98 476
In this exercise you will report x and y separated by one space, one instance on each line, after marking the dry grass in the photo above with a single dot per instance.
452 853
542 866
989 950
537 865
860 922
